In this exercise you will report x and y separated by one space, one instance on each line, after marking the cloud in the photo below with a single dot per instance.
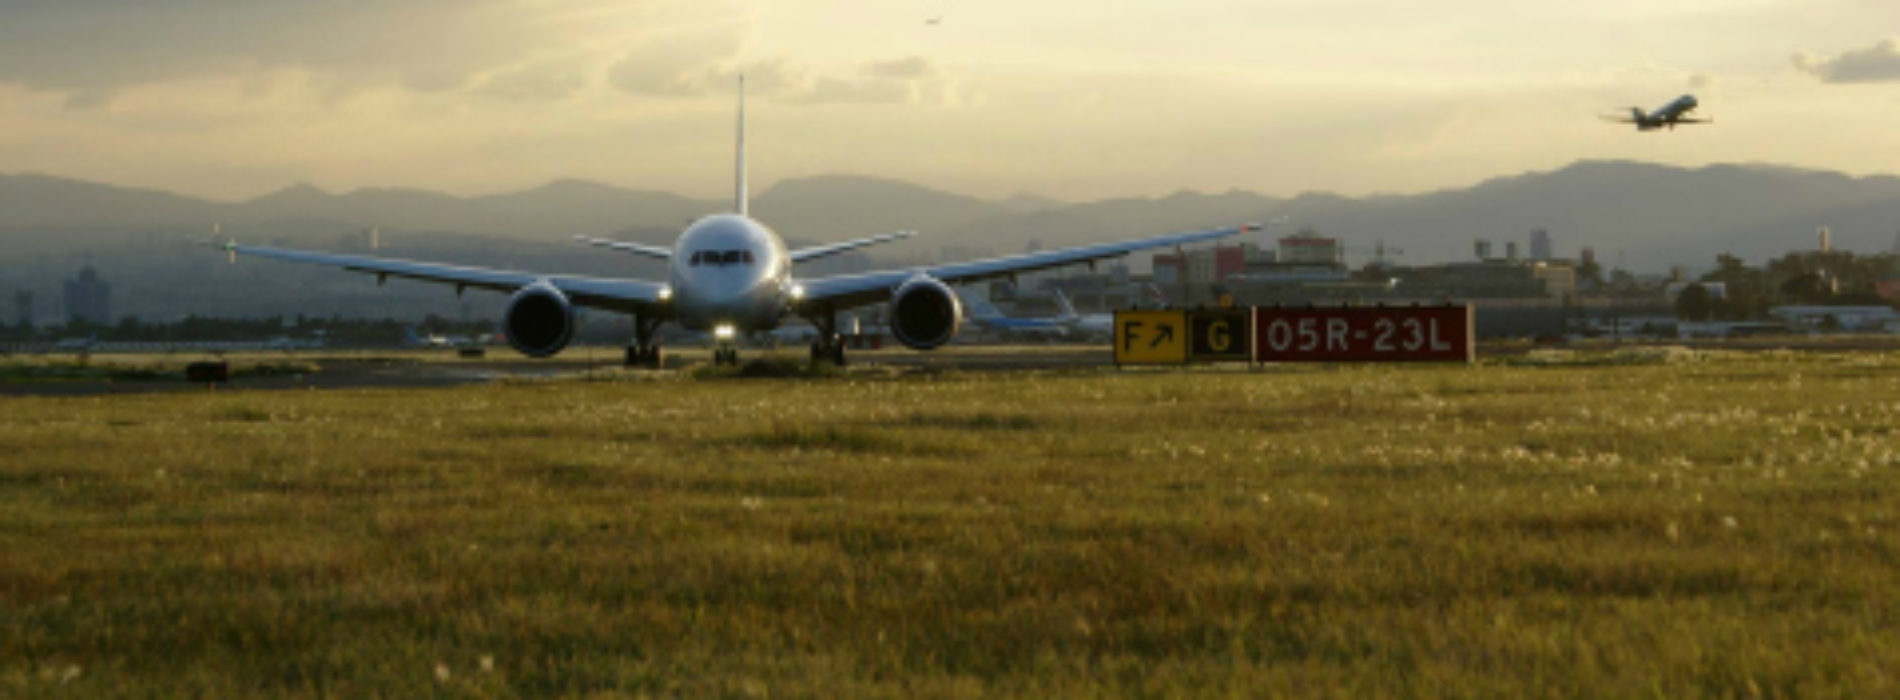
694 64
676 64
911 68
106 45
1879 63
909 80
539 82
511 49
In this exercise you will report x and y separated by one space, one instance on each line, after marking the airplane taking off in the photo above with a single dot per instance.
730 275
1666 116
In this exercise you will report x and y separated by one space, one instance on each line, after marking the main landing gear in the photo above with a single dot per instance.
828 347
725 355
645 351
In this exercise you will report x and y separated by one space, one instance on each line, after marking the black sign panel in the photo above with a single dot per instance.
1220 335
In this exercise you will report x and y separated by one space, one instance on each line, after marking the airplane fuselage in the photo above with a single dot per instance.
1667 115
731 270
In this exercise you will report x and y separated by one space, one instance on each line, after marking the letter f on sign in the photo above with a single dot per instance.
1130 335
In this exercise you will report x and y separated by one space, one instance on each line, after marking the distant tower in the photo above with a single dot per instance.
23 308
1896 243
89 298
1827 242
1540 245
1481 248
1589 256
1510 251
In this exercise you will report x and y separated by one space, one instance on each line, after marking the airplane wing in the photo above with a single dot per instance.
628 296
819 251
651 251
844 291
1692 120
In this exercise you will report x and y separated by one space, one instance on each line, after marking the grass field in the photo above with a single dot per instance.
1646 523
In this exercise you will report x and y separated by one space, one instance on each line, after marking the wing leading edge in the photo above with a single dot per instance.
819 251
651 251
629 296
843 291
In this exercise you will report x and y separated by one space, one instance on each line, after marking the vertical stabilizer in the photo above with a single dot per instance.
1637 115
1065 310
739 191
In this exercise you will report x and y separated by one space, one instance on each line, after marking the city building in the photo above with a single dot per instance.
1307 248
1205 265
88 298
23 308
1540 245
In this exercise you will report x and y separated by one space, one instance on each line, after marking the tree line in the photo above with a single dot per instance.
1808 278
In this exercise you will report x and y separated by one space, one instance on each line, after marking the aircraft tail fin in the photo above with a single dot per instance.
1637 115
739 204
1067 309
1155 295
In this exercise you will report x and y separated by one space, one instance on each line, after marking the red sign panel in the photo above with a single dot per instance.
1364 334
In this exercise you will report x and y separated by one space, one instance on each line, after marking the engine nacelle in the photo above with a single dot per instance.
925 313
539 320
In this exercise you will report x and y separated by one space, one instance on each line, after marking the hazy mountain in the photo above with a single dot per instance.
1652 215
40 200
1027 202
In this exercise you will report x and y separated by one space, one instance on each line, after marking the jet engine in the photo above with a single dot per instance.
925 313
539 320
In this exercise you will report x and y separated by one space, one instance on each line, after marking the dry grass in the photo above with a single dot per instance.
1687 524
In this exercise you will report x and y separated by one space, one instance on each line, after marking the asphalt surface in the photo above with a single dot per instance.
444 368
423 369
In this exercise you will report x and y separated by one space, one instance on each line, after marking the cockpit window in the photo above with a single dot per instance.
720 257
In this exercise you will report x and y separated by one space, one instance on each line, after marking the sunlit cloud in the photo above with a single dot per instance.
1879 63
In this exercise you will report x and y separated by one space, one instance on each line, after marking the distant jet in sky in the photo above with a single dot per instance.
934 20
730 275
1666 116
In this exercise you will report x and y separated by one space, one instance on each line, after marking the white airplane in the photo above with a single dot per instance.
986 316
1666 116
730 275
1101 326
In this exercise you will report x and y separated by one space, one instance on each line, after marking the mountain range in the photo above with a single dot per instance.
1640 216
1654 214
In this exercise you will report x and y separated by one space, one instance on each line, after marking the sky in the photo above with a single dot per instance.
1070 99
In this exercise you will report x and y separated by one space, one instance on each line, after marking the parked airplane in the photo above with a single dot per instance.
1666 116
986 316
1101 326
425 339
731 275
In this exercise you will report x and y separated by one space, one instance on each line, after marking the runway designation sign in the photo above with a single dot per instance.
1364 334
1151 337
1220 335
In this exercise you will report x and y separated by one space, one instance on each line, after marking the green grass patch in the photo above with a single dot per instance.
1719 524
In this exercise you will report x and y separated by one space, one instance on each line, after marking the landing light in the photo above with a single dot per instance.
797 292
724 331
666 293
